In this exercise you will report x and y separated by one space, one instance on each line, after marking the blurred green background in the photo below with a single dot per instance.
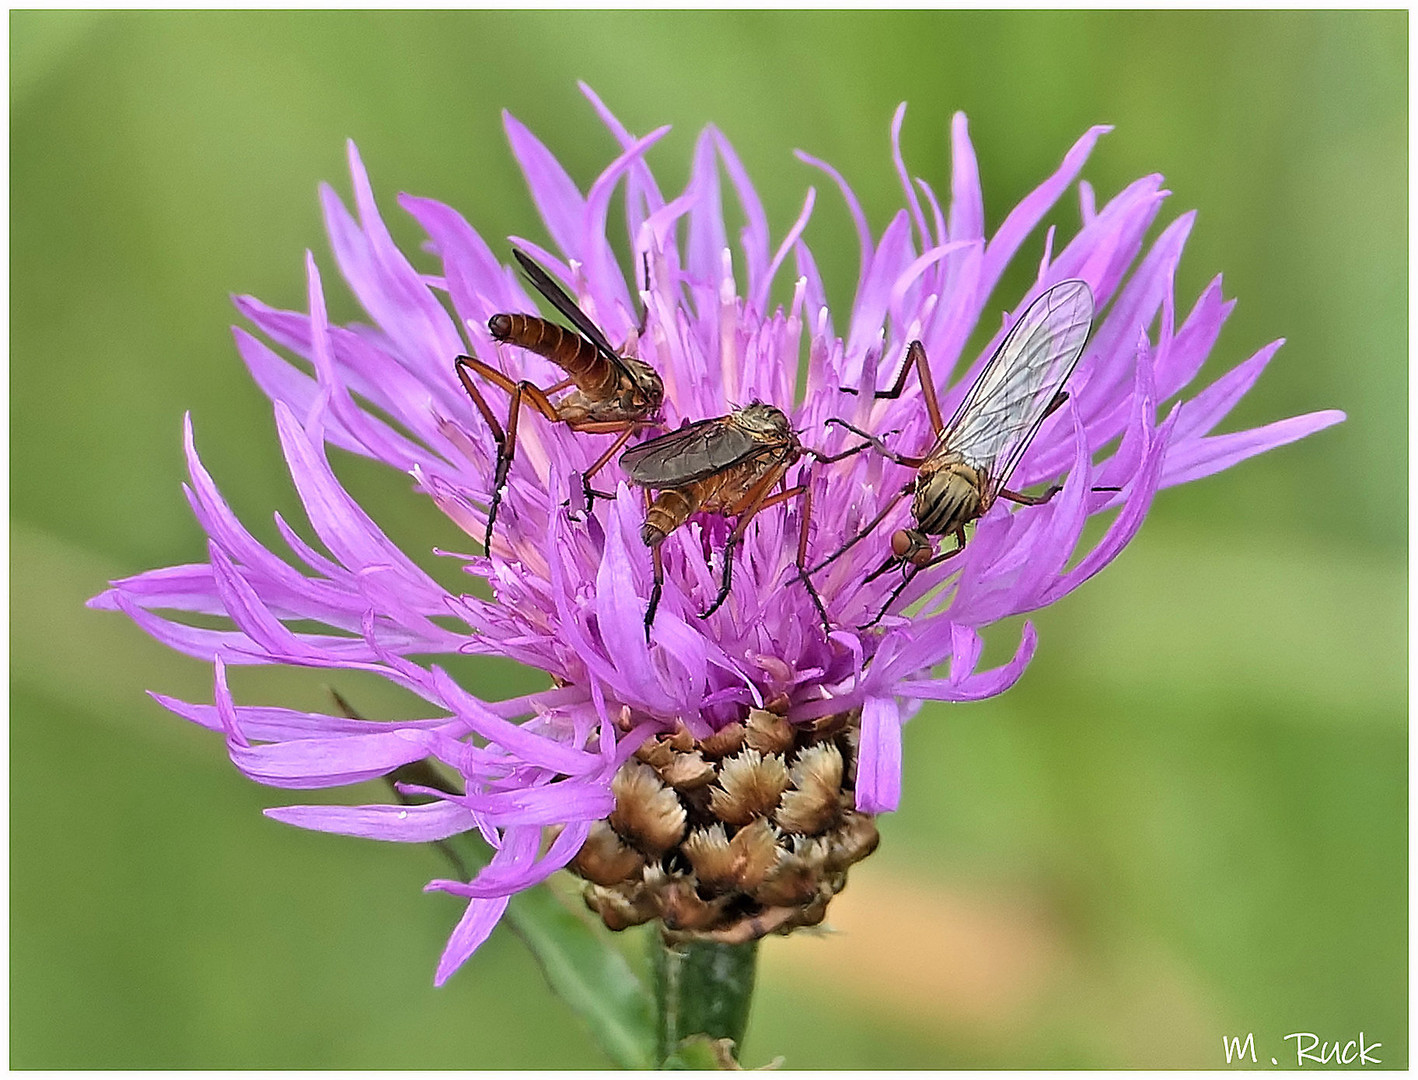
1187 821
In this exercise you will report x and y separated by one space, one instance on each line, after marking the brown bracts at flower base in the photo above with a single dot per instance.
614 394
959 478
727 465
745 833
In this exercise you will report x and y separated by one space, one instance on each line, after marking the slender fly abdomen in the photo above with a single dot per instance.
569 351
671 509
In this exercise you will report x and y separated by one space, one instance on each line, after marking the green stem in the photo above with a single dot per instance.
702 989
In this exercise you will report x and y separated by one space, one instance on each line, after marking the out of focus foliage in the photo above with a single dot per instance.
1188 821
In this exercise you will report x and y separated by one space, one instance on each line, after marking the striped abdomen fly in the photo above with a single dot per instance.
969 465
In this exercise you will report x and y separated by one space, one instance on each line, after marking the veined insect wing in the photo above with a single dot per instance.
688 453
558 298
1011 398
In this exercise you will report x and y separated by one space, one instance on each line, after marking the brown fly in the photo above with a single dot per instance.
726 465
613 394
966 469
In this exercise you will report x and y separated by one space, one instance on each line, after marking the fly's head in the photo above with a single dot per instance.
911 547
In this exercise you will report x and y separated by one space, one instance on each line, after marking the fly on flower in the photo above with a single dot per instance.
959 478
614 393
726 465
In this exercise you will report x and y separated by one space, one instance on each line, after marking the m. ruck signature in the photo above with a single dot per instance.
1308 1047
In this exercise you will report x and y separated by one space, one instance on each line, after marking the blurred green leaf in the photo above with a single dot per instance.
581 966
589 974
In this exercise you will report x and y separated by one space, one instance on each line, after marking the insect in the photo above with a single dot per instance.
962 474
727 465
613 394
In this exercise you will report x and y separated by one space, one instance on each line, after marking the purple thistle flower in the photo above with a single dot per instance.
569 593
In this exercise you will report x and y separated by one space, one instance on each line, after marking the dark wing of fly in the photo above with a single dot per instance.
558 299
689 453
1003 410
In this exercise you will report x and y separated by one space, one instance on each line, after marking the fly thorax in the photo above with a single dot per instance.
946 498
576 407
764 422
643 392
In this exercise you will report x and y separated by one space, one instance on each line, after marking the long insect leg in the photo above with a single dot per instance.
805 491
505 451
506 438
1045 496
916 358
886 564
881 448
828 459
908 578
803 571
802 556
1055 403
754 500
1031 500
657 563
891 505
588 492
462 365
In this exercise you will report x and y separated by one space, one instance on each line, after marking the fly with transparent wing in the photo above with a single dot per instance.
959 478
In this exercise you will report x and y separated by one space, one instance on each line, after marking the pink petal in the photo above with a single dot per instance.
419 824
879 757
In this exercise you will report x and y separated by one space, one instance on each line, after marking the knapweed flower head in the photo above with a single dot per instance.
717 773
